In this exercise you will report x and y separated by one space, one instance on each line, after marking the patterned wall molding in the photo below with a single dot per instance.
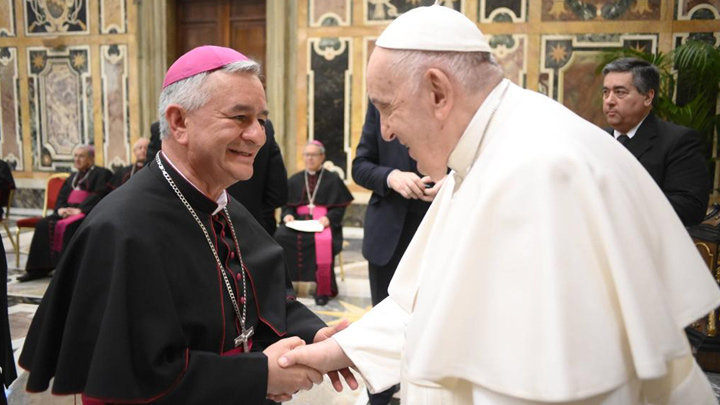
502 11
329 76
116 130
697 10
7 18
384 11
594 10
568 63
511 53
113 17
10 118
329 13
68 17
61 107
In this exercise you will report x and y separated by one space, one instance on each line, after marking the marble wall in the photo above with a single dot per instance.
65 74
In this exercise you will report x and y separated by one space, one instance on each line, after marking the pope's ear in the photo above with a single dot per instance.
441 92
177 124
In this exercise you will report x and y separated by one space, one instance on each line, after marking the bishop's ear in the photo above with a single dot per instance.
441 92
175 116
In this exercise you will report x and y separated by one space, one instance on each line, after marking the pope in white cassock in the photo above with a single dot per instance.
550 267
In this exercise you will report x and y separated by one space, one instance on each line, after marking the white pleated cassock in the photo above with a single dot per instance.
549 268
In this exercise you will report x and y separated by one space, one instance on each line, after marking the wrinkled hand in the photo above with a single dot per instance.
288 218
430 193
324 221
324 356
325 333
68 211
407 184
284 382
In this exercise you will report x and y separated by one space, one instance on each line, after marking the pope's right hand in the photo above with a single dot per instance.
289 380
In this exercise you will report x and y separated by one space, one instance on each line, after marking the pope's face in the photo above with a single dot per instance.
226 133
623 105
406 115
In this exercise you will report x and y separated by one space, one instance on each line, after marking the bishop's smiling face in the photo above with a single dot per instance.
225 134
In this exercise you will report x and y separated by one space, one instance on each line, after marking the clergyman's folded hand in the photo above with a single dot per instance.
283 382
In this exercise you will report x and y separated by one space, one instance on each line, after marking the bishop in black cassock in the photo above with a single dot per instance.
170 292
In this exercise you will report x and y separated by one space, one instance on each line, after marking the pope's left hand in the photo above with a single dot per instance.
326 333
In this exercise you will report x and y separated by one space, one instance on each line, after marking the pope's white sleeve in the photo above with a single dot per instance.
375 343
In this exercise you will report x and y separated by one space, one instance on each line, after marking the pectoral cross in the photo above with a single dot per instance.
311 208
243 338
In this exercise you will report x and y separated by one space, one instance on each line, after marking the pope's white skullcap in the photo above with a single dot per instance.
434 28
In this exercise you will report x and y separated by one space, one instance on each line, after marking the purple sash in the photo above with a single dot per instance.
323 251
76 197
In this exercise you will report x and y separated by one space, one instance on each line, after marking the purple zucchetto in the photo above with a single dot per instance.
201 59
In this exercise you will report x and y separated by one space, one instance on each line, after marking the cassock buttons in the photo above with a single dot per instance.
232 254
239 276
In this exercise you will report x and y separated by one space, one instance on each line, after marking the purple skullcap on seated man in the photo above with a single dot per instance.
171 292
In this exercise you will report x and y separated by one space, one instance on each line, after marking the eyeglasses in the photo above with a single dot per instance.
312 154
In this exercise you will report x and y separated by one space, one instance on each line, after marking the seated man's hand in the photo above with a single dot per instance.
288 218
324 221
284 382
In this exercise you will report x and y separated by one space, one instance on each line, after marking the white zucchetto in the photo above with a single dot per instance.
433 28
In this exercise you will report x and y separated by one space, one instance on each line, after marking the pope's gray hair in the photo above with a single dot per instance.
473 71
190 93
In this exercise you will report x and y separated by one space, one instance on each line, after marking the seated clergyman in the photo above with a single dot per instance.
314 194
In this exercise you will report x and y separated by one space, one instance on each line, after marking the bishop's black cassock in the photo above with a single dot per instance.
42 257
138 310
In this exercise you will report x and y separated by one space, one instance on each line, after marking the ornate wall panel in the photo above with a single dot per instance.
568 64
113 17
116 131
60 89
7 18
697 9
502 11
326 13
10 119
54 17
329 83
599 10
511 53
384 11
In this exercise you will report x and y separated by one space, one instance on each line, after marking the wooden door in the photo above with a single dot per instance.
237 24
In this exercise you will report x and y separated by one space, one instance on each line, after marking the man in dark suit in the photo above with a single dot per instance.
398 204
267 189
672 154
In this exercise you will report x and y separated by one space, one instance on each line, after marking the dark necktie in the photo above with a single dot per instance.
623 139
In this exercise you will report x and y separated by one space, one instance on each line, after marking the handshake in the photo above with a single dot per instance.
293 366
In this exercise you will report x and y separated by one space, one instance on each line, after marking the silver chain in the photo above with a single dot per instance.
311 198
212 247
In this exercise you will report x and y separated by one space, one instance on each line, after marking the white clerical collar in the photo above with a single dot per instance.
221 201
631 132
463 156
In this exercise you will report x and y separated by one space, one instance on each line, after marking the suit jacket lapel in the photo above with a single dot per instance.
644 137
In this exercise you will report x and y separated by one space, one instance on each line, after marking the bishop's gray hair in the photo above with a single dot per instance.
190 93
472 70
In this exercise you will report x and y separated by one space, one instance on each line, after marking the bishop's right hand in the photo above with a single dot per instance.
284 382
